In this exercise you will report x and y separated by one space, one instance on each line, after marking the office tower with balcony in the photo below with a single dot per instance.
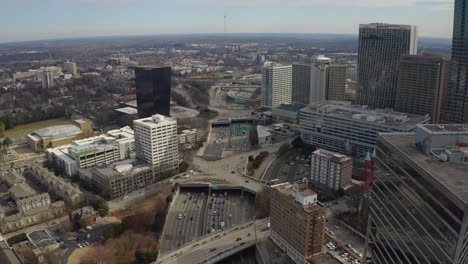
153 90
381 47
276 85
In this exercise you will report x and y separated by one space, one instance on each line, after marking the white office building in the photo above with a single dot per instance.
330 170
276 85
319 79
70 67
351 129
156 142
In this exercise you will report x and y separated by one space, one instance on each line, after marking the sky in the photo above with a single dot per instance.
48 19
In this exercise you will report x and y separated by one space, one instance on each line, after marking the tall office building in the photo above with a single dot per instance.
422 83
297 221
419 197
380 49
70 67
301 83
330 170
336 82
156 142
153 89
456 110
319 79
47 79
276 85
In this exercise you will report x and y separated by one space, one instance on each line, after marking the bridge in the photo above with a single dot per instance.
218 246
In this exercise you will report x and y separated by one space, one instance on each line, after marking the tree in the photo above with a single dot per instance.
262 203
7 142
355 196
100 205
2 128
145 256
83 224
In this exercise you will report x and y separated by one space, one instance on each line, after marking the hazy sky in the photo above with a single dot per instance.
43 19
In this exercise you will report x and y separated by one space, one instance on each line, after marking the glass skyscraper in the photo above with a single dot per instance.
457 97
153 90
381 47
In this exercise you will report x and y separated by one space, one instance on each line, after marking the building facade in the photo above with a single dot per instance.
153 89
330 170
301 74
47 79
456 110
336 82
276 85
156 142
422 84
350 129
319 79
380 49
419 197
297 221
70 67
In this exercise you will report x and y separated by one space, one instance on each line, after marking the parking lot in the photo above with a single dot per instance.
233 137
88 237
197 212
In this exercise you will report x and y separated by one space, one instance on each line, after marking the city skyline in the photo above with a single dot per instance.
64 19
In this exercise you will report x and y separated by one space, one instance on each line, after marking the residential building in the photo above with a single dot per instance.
330 170
55 136
297 221
119 180
336 82
301 74
380 49
153 89
456 110
351 129
319 79
70 67
419 197
422 84
276 85
156 142
47 79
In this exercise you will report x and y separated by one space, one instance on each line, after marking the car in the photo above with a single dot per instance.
247 181
171 180
238 239
349 246
212 249
89 228
125 197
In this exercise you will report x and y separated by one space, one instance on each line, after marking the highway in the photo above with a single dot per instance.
218 246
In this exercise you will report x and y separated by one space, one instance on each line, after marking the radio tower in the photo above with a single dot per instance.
225 23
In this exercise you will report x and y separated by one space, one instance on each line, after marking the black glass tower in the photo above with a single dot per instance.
457 97
153 90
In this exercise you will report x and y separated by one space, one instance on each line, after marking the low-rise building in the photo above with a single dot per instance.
286 113
264 135
297 221
330 170
190 136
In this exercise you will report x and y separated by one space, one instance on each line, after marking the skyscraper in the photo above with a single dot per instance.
319 79
47 79
336 82
276 85
153 89
380 49
419 197
301 83
456 110
422 84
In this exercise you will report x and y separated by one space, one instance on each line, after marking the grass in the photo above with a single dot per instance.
23 130
208 114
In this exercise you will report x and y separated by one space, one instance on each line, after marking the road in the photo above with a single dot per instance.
214 248
293 165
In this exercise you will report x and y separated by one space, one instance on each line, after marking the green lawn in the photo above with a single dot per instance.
209 114
23 130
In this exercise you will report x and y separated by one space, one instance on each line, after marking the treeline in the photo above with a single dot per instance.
9 121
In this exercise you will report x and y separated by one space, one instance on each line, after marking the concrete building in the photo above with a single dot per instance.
456 110
286 114
301 74
264 135
330 170
351 129
70 67
55 136
419 197
319 79
156 142
276 85
380 49
297 221
119 180
153 89
336 82
422 84
118 144
47 79
190 136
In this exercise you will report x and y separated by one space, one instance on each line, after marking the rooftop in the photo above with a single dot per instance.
57 132
452 177
445 129
292 108
385 26
359 113
149 67
127 110
337 157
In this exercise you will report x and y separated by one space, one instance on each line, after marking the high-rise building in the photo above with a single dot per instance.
153 89
70 67
350 129
330 170
301 83
156 142
336 82
319 79
422 83
276 85
47 80
419 197
297 221
380 49
456 110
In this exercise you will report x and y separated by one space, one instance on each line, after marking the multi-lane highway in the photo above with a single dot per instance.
219 246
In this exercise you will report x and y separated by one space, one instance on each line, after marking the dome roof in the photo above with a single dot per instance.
58 132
